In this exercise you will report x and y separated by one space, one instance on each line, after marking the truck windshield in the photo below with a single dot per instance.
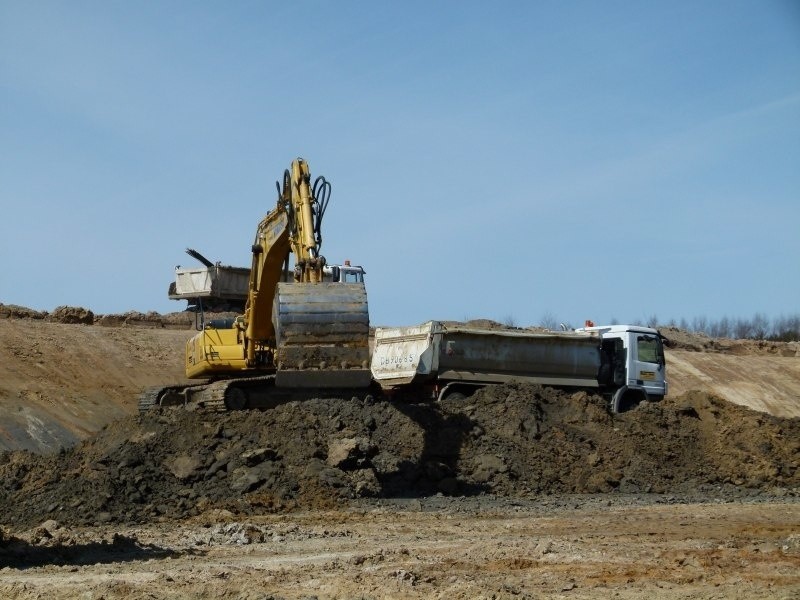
649 349
352 276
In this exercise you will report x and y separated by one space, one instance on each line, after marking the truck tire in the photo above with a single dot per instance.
627 399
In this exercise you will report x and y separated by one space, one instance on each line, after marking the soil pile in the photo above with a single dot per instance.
512 440
77 315
680 339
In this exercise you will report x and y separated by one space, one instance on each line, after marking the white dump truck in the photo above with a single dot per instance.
625 363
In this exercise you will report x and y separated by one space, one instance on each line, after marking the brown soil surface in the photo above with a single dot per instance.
766 383
60 382
520 491
447 548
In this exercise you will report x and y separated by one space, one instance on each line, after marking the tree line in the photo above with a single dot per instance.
757 327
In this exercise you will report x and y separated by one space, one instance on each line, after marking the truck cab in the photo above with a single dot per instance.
633 364
345 273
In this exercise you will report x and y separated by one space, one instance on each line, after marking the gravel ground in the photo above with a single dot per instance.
576 546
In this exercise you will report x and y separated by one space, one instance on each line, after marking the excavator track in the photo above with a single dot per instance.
171 395
241 393
148 399
216 396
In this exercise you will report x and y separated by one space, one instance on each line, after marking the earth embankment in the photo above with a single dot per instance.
514 440
60 382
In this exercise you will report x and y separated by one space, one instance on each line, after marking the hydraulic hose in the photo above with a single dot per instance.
321 192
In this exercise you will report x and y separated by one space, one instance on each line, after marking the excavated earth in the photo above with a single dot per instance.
513 440
519 491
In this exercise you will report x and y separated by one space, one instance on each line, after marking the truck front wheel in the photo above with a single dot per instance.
627 399
458 392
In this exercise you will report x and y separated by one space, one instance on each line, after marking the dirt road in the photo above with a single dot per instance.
564 547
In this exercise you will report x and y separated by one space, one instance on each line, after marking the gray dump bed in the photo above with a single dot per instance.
218 281
431 351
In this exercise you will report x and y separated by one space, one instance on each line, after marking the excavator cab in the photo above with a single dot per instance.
343 273
351 274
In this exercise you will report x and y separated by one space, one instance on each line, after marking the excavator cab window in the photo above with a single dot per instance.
331 274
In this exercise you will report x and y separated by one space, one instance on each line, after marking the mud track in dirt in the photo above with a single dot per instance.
456 548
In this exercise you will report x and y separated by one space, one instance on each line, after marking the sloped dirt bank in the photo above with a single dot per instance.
59 383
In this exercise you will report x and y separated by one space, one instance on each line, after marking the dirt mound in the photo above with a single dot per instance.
73 315
153 320
681 339
61 314
13 311
513 440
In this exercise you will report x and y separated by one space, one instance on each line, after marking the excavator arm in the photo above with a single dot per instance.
308 332
289 228
270 249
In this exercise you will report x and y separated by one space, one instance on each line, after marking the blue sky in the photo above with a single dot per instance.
505 160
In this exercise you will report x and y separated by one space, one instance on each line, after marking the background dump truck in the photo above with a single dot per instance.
213 287
624 363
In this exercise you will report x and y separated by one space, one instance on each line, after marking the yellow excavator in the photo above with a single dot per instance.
304 331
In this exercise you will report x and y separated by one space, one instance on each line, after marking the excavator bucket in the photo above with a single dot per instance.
322 334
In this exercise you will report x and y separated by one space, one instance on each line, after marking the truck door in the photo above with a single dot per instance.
649 364
613 359
620 360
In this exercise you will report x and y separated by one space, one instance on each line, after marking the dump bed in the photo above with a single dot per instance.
408 356
218 281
